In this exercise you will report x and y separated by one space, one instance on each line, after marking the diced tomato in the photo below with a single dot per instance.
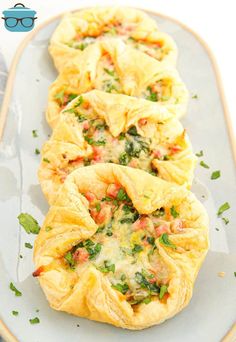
81 255
153 280
86 105
86 125
65 99
90 196
38 272
97 153
175 148
157 154
133 163
140 224
163 228
113 190
142 122
104 214
78 37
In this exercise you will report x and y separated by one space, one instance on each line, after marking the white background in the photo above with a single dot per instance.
214 21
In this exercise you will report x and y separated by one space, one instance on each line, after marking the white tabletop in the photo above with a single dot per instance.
214 21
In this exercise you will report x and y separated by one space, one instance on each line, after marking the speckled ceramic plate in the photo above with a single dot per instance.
212 309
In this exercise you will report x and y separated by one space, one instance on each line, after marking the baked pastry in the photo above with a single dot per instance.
80 29
101 127
115 68
121 246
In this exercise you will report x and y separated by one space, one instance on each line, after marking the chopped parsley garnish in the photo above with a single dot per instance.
152 95
34 320
71 97
151 240
199 154
163 291
91 141
223 208
226 220
69 259
123 277
195 96
81 46
164 240
98 206
35 133
29 224
14 289
48 228
204 165
15 313
46 160
124 159
121 136
137 249
109 72
133 131
93 249
123 288
145 284
107 267
173 212
60 97
37 151
235 274
79 102
215 174
122 195
28 245
159 212
127 220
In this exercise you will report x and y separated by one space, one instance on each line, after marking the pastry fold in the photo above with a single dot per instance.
101 127
113 67
78 30
87 272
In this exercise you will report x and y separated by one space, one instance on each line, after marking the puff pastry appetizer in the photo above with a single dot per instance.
80 29
121 246
100 127
115 68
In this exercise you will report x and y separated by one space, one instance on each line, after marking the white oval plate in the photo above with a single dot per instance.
211 311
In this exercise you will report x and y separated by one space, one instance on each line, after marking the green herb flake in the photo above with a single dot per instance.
199 154
46 160
215 174
124 159
137 249
37 151
164 240
48 228
173 212
225 220
133 131
123 288
121 195
151 240
98 206
152 96
163 291
69 259
107 267
235 274
14 289
79 102
34 320
34 133
217 229
109 72
123 277
147 300
195 96
30 225
28 245
223 208
204 165
15 313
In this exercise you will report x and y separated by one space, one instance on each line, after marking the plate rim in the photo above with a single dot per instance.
5 332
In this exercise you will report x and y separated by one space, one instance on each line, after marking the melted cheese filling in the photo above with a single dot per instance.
123 248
